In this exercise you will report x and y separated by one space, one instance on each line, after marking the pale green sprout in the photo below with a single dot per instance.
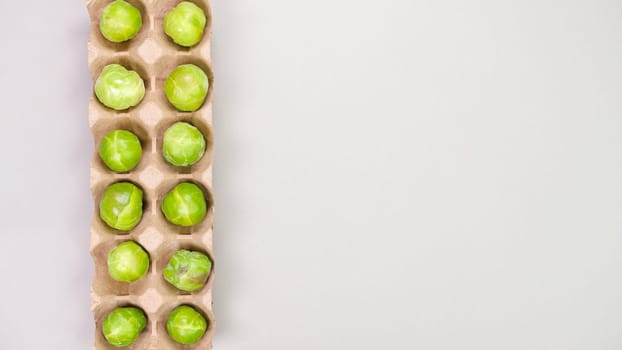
120 21
119 88
186 87
185 205
120 150
188 270
121 206
123 325
185 24
183 144
128 262
186 325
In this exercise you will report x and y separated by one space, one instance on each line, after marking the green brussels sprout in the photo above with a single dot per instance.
183 144
120 150
119 88
121 206
186 87
128 262
185 205
186 325
120 21
185 24
123 325
188 270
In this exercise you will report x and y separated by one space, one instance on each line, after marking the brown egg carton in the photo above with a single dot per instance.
153 55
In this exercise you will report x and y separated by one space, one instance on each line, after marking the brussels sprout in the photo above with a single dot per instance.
123 325
188 270
119 88
186 325
128 262
120 21
120 150
185 24
185 205
186 87
121 206
183 144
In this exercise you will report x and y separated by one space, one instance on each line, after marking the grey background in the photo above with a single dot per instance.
398 174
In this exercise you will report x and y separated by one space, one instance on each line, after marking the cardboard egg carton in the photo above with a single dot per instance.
153 55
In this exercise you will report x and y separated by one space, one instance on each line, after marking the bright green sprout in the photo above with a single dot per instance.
186 325
123 325
120 150
186 87
119 88
121 206
188 270
120 21
185 205
183 144
128 262
185 24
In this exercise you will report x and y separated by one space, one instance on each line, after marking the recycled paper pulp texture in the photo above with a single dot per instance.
153 55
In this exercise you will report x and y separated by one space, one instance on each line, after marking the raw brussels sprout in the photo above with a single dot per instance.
183 144
120 21
188 270
120 150
121 206
119 88
185 24
185 205
123 325
186 325
186 87
128 262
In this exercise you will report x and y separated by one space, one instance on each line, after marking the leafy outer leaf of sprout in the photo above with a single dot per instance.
186 325
186 87
119 88
188 270
185 205
120 150
128 262
121 206
183 144
120 21
123 325
185 24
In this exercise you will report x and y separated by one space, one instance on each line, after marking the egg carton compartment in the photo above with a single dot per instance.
160 326
206 130
103 308
104 284
97 40
148 202
167 63
129 62
123 122
165 187
164 253
153 55
160 11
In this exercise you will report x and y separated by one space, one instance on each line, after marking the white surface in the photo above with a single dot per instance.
394 174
